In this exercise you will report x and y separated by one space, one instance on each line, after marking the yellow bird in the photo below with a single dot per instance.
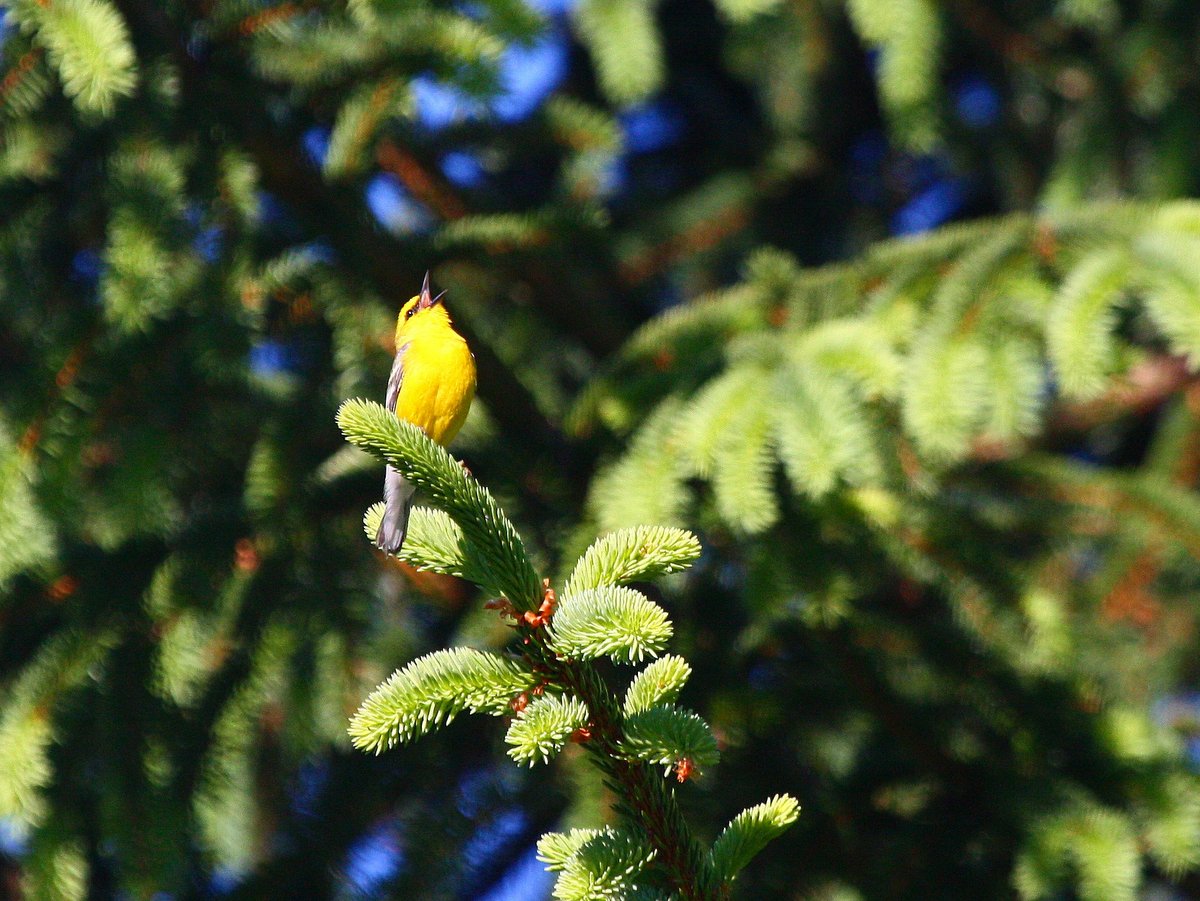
432 385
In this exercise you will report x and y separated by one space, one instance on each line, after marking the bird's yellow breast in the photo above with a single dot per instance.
439 381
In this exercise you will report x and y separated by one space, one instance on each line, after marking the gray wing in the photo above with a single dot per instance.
397 492
396 379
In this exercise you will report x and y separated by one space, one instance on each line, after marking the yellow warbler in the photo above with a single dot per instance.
431 385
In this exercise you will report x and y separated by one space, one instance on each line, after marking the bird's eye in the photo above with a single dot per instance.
409 314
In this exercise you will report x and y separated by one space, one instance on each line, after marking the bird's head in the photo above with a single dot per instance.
421 312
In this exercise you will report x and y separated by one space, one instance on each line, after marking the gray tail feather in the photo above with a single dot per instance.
397 501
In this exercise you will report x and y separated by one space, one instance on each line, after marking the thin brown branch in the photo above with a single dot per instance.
17 73
1146 386
406 167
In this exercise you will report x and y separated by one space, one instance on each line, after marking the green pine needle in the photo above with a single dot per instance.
543 728
821 431
749 832
25 738
509 229
26 717
612 621
582 126
1172 824
88 43
708 320
26 538
646 484
555 849
431 690
623 40
743 469
1079 328
711 414
1016 380
632 555
666 735
1106 854
907 34
745 10
360 119
659 683
860 349
1172 291
945 397
56 867
603 865
1099 845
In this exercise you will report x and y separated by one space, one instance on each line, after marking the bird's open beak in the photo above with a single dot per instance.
425 300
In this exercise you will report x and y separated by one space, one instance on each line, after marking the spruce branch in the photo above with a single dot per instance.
604 865
749 832
715 414
1015 404
659 683
745 10
1172 824
543 728
1172 286
432 690
744 466
25 538
556 693
667 735
861 349
820 431
436 543
632 555
1079 330
26 717
88 42
643 796
945 394
358 122
555 849
430 467
906 35
1098 843
645 486
613 621
625 46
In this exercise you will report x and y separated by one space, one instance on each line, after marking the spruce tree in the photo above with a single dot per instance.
837 368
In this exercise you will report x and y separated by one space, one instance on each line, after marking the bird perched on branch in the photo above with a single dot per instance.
431 385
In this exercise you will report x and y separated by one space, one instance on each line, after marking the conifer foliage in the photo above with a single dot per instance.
1024 312
907 418
863 333
553 690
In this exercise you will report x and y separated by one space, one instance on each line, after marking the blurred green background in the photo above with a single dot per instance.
896 303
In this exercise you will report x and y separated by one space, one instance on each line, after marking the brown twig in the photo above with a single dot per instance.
701 236
406 167
20 69
1146 386
259 20
63 379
